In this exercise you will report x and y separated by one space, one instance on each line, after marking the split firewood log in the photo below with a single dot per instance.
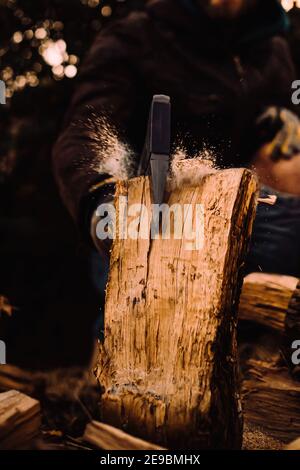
107 437
20 419
265 299
168 366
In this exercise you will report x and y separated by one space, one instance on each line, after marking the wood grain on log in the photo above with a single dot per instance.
168 364
20 419
271 400
107 437
265 299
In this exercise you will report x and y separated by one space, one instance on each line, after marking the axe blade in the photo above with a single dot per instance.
156 155
159 172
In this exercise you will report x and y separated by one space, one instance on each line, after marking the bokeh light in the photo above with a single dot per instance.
106 11
42 47
70 71
17 37
39 48
53 52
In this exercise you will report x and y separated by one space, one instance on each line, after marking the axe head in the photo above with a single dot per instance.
156 155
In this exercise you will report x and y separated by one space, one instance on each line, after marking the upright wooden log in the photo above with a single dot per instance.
168 364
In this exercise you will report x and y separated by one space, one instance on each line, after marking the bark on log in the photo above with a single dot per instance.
20 420
168 364
265 299
107 437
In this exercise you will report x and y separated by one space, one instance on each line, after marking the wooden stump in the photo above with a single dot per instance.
168 364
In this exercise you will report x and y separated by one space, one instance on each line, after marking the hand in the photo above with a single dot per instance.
282 175
281 128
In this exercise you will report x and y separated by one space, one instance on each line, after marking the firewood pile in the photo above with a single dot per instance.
268 327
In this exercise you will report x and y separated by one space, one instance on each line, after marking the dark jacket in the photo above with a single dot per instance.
219 81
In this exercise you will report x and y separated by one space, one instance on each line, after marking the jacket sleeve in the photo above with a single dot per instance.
90 147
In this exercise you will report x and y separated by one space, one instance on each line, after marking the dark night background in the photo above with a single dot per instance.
44 269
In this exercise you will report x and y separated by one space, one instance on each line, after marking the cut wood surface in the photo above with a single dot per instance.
265 299
107 437
168 366
20 419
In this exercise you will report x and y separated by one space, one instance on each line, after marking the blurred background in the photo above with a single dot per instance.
49 307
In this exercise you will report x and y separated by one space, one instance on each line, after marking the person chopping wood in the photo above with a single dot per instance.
227 67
